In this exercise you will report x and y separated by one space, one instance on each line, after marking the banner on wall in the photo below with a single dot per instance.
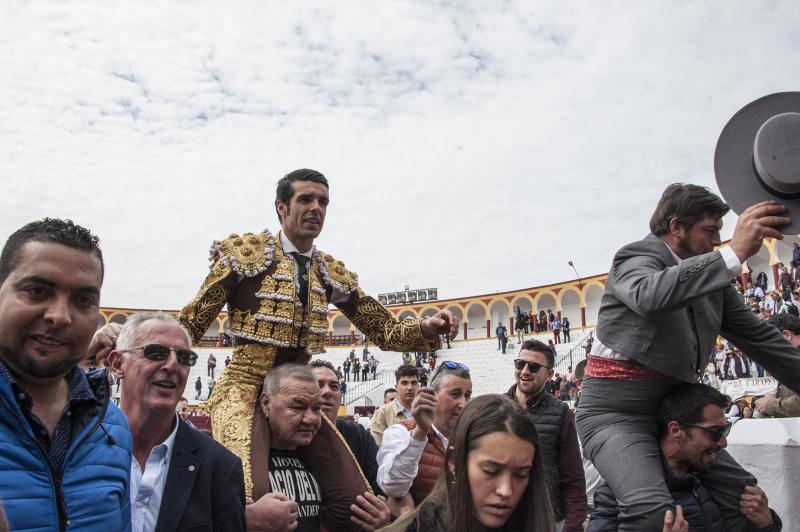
756 387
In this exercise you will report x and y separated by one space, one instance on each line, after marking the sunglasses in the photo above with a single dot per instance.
715 432
533 367
449 365
159 353
453 365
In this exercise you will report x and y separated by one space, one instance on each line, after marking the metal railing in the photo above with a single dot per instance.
573 356
357 390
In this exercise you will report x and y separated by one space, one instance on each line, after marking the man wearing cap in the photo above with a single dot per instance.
278 289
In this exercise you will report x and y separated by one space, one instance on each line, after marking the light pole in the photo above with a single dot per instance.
580 284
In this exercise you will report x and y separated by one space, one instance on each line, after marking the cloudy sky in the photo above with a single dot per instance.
471 146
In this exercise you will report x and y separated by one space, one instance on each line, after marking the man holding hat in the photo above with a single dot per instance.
667 299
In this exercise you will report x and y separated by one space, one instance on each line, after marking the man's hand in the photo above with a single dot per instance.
760 405
755 224
273 512
103 342
675 522
422 410
401 505
444 322
370 512
755 507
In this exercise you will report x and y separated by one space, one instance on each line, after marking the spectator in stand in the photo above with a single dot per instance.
198 388
183 410
737 366
519 327
555 424
412 454
406 358
389 395
495 478
364 370
532 321
423 377
211 365
498 332
359 440
556 326
356 369
761 281
503 337
754 291
587 347
196 481
211 383
772 303
788 306
407 383
346 367
291 402
565 329
227 361
365 352
784 403
543 321
785 281
692 431
66 447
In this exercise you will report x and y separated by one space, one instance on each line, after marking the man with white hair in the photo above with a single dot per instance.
412 452
192 478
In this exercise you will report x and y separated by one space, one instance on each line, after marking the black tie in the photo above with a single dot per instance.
302 276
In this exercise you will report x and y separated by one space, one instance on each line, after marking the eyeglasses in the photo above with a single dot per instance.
450 365
533 367
159 353
715 432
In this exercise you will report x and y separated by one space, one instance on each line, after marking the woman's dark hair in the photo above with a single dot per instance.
449 506
687 204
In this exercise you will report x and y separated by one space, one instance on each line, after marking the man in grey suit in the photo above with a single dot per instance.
667 299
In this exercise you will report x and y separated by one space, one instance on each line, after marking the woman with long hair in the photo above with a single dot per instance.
493 476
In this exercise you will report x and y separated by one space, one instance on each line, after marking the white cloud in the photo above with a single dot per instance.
473 146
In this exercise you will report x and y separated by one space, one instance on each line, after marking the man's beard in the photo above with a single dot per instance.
45 368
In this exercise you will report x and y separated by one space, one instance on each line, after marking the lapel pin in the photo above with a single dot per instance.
191 468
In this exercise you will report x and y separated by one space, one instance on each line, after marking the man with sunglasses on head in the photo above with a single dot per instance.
692 433
66 446
411 456
558 438
180 478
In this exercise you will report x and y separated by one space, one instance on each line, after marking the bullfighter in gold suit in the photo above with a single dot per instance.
278 289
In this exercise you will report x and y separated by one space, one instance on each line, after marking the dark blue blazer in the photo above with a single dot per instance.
205 486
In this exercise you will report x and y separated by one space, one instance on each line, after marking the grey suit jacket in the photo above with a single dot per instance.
667 316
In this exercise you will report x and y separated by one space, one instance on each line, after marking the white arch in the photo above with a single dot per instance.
593 295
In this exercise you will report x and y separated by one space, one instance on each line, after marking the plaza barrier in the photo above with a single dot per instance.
770 450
